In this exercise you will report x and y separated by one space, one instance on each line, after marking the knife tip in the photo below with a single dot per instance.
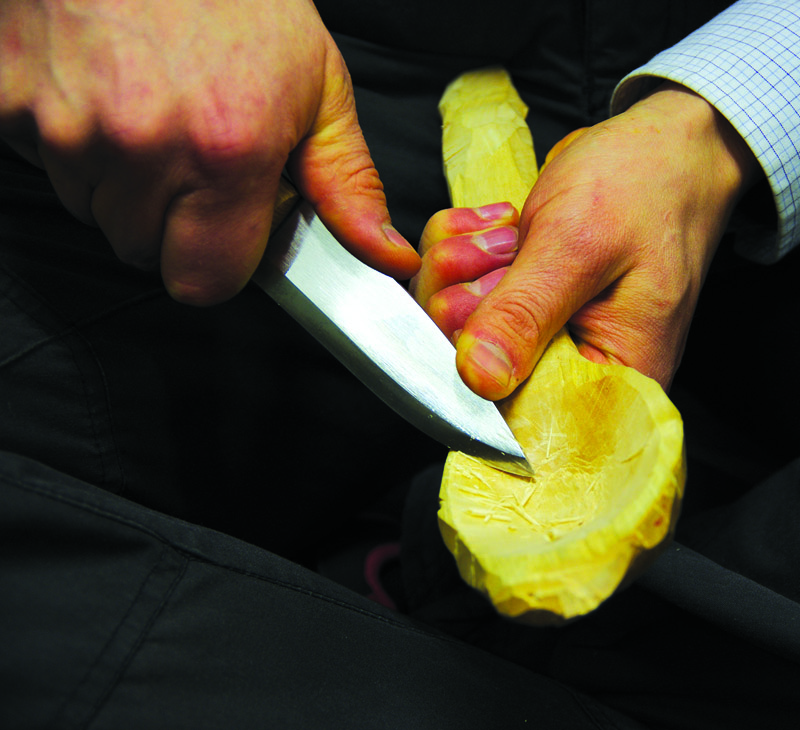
509 457
517 465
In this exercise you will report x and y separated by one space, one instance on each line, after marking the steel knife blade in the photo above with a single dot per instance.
374 327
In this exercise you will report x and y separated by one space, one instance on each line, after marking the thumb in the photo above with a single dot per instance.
505 336
333 170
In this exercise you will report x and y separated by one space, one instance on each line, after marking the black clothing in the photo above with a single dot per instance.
136 431
114 616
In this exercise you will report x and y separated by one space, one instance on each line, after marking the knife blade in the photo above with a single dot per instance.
372 325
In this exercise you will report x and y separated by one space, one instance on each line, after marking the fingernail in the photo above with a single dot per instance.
492 360
394 236
498 240
495 211
481 287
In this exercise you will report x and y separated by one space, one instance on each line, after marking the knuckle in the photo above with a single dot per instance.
442 222
364 177
62 131
355 166
134 127
224 135
346 167
519 318
437 257
437 228
450 307
222 148
437 307
130 137
135 116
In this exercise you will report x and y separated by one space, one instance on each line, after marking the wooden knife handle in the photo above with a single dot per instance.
286 200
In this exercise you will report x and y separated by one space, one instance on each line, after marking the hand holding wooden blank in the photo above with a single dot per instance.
606 442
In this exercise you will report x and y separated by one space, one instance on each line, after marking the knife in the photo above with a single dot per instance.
372 325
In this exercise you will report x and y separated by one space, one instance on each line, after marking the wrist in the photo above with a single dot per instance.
730 163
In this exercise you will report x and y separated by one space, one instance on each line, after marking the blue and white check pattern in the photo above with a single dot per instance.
746 63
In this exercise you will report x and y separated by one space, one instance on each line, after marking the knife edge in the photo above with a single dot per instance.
370 323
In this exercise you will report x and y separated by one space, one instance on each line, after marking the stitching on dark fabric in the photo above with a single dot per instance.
68 328
43 490
114 680
75 329
63 337
123 666
594 713
189 555
314 594
87 405
109 641
591 716
112 431
64 340
35 295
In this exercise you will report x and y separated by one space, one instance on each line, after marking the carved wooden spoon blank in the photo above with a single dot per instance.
605 441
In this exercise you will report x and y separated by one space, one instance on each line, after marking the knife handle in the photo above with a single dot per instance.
285 202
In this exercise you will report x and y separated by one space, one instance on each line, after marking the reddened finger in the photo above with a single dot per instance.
558 269
462 259
451 307
458 221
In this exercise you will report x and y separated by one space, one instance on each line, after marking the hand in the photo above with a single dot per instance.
616 238
167 124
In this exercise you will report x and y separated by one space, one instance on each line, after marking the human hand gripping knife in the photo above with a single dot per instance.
374 327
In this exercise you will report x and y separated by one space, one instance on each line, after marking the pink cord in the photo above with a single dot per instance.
373 563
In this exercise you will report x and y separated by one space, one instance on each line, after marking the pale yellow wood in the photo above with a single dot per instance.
486 143
605 441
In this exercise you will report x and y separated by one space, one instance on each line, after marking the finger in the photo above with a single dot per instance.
559 268
333 169
214 238
458 221
463 259
451 307
129 206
